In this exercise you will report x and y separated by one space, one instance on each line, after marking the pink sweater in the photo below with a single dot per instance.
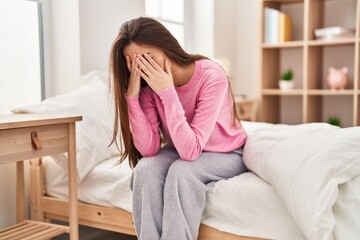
195 117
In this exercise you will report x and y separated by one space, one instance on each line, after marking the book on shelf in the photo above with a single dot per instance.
271 26
284 27
277 26
334 33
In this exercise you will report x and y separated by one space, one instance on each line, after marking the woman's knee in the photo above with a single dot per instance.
145 169
180 169
151 170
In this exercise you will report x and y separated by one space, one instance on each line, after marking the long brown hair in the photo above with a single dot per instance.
146 31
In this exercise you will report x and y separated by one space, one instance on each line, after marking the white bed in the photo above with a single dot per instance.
244 205
304 180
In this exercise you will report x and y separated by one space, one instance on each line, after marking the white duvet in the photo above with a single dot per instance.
315 171
305 181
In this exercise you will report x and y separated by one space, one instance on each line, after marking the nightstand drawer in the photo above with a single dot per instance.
31 142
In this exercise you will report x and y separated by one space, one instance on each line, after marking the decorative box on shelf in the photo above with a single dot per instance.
334 33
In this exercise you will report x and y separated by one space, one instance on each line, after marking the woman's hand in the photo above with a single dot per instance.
156 77
134 81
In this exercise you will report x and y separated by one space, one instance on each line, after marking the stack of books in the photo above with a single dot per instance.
277 26
334 33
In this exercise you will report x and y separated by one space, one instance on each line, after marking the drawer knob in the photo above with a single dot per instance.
36 143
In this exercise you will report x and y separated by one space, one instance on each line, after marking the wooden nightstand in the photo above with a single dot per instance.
28 136
246 109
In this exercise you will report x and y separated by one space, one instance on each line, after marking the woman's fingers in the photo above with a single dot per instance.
133 67
157 77
144 65
152 62
142 74
134 80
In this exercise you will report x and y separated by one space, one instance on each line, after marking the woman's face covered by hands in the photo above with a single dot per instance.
150 64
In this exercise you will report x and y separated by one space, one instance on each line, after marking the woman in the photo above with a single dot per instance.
158 87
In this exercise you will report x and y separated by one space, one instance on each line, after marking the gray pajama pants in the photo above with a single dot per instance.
169 194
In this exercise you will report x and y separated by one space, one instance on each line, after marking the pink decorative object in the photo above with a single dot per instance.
337 78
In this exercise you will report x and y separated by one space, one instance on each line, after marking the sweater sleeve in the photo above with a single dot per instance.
144 123
190 138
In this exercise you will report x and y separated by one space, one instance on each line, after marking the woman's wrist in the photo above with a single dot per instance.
132 94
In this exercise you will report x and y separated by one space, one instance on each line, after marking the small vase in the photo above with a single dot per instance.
285 85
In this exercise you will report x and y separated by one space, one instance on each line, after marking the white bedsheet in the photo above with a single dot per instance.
105 185
244 205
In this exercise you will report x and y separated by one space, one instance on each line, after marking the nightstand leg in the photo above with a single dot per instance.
20 192
37 189
73 215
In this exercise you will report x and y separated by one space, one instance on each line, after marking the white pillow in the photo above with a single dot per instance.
94 132
306 169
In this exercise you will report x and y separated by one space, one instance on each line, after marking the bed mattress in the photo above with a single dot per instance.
244 205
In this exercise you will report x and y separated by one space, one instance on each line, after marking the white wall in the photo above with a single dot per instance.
65 37
82 34
228 29
246 68
7 191
225 33
200 23
100 22
8 194
236 37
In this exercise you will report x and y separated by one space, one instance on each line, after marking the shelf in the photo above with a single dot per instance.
290 44
28 230
320 92
323 92
294 92
276 61
311 100
333 42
